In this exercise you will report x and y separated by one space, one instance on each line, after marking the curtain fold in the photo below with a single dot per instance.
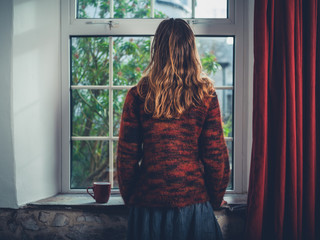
283 195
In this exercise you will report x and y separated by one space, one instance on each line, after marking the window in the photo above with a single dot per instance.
105 48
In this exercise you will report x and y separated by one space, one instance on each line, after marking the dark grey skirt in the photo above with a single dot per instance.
193 222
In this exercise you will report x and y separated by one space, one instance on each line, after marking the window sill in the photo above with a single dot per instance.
84 201
79 201
236 202
236 198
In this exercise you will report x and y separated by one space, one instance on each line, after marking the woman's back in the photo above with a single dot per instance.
173 155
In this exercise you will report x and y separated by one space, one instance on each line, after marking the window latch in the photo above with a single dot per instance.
111 24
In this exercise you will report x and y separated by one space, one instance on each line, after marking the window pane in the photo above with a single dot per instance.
115 178
132 8
225 98
131 57
230 149
90 60
119 97
173 8
211 9
90 112
142 9
216 55
93 9
89 163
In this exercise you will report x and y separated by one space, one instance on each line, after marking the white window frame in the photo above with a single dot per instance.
232 26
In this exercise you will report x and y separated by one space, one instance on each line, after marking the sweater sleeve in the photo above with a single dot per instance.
129 150
214 154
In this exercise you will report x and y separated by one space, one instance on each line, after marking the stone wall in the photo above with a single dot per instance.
89 223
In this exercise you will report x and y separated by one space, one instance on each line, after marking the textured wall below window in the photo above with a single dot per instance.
84 224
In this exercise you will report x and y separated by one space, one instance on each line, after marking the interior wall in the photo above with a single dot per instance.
36 98
8 196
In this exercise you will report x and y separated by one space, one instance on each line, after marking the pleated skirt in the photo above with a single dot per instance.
193 222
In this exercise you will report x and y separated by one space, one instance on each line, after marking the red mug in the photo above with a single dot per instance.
101 191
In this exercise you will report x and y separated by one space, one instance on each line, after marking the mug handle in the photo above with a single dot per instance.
90 193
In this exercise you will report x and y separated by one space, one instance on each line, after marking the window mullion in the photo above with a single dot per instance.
92 87
103 87
90 138
152 8
93 138
223 87
228 139
111 109
193 7
111 9
111 99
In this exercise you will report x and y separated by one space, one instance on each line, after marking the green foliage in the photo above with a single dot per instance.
90 61
131 57
122 9
118 101
90 8
227 127
89 162
132 9
209 63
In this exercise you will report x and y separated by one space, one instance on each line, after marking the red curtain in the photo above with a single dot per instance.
283 198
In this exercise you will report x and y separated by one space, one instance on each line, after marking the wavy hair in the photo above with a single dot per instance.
173 81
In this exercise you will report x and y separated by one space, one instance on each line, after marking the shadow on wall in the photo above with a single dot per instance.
36 98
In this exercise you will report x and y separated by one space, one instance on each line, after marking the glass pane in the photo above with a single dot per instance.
119 97
89 163
142 9
216 54
230 149
93 9
173 8
115 178
90 60
131 57
211 9
132 8
225 98
90 112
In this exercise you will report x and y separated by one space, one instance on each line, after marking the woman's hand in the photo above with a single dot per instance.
223 203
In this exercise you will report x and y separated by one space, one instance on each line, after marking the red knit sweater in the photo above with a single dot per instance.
172 163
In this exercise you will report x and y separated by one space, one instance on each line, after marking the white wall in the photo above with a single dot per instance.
8 196
36 98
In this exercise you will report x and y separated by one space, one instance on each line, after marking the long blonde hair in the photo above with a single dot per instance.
173 80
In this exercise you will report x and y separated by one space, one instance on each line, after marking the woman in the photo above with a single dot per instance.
172 159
